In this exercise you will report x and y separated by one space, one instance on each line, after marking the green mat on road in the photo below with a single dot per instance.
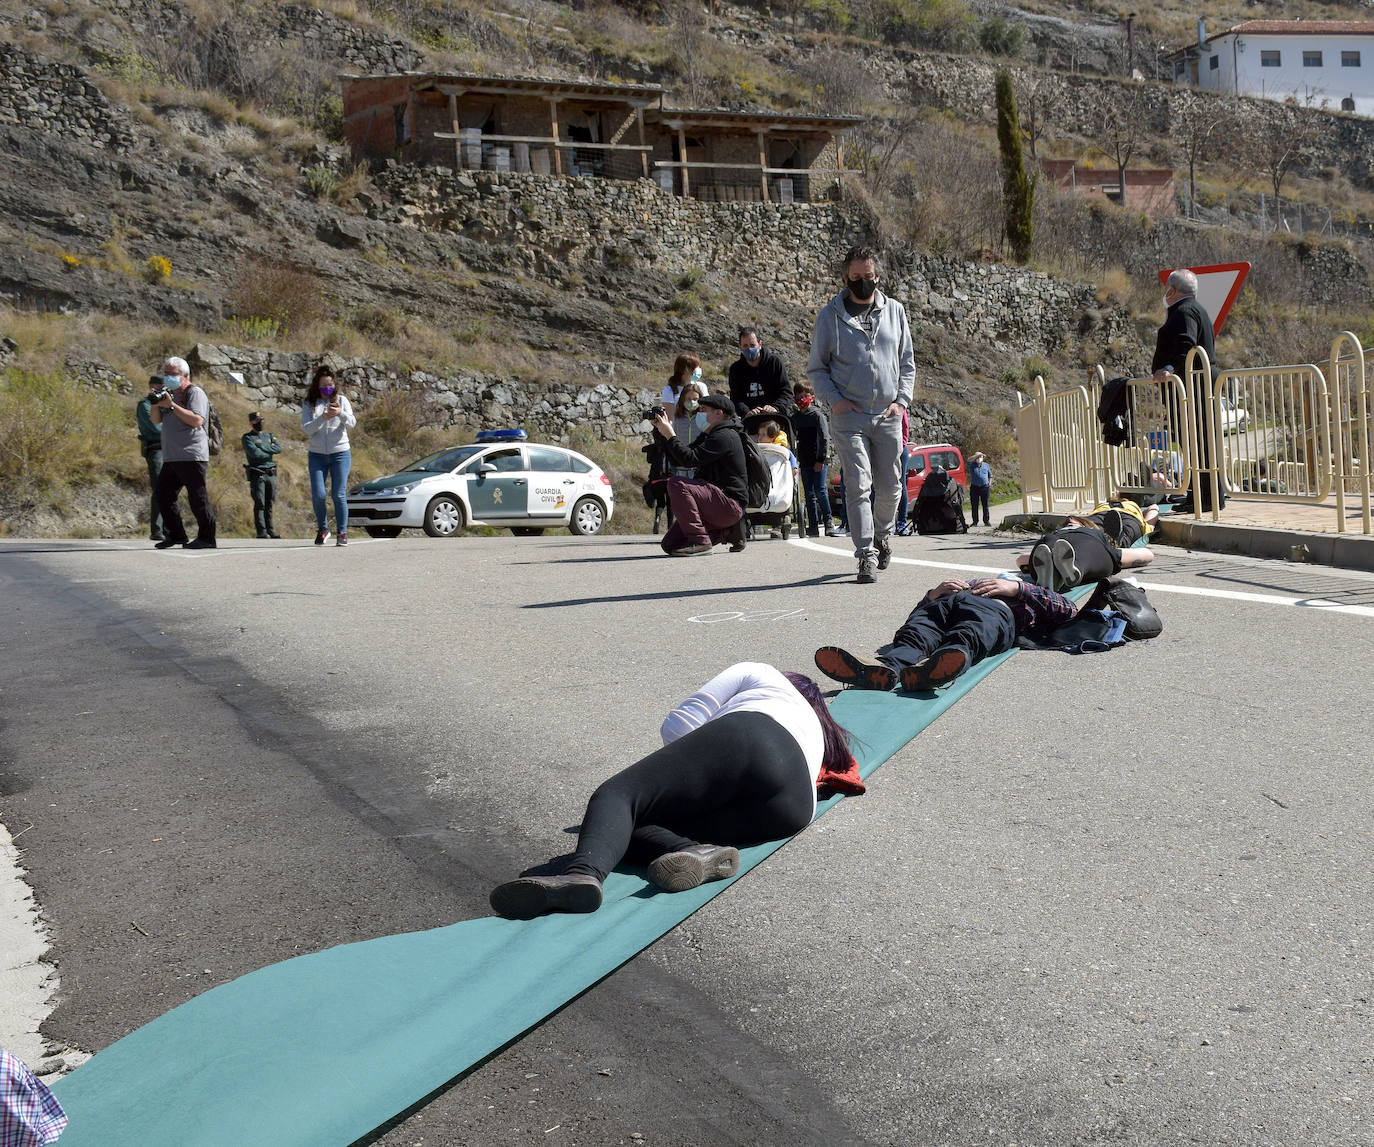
325 1048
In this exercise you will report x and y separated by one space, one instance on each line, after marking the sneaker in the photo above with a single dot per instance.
884 553
1112 524
532 896
201 544
691 551
940 668
1041 566
342 539
867 574
837 532
861 672
321 537
679 871
1066 572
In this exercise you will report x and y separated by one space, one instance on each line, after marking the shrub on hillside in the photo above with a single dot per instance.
52 433
273 292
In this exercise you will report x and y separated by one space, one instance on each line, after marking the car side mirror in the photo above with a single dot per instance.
487 468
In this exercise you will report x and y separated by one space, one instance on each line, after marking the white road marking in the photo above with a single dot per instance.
1151 585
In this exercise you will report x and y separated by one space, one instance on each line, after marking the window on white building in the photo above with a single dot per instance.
1311 59
1272 59
1213 63
1350 59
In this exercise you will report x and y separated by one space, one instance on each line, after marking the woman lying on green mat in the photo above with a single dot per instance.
740 764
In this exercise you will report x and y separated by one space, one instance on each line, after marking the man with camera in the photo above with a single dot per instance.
182 410
261 450
709 508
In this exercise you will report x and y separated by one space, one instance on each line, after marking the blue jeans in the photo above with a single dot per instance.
816 499
337 467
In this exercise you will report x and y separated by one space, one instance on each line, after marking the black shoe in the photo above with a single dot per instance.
167 544
861 672
698 864
940 668
884 553
263 534
273 534
155 537
1112 524
532 896
1066 572
200 544
735 536
1041 566
867 574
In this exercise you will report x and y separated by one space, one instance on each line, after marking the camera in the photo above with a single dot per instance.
157 392
649 413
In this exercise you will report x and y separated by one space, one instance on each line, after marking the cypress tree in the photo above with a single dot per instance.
1018 188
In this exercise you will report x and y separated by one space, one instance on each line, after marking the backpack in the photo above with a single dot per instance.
760 480
214 428
1129 601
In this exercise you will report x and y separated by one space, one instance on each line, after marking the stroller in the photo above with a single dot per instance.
939 507
783 505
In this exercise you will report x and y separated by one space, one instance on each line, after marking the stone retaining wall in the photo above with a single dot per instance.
57 99
790 251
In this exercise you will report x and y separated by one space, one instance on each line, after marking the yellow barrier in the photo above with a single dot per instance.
1275 433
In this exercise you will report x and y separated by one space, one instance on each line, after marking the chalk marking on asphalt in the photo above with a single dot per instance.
1150 585
747 615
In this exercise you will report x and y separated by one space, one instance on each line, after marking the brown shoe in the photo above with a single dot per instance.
940 668
861 672
735 536
679 871
690 551
532 896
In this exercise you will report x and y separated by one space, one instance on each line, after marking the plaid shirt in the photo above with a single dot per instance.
1038 612
30 1115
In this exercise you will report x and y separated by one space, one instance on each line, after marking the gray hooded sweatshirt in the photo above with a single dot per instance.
872 371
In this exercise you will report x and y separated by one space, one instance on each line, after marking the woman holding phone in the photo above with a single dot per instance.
326 416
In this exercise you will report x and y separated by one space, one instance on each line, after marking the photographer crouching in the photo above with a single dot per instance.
182 411
709 508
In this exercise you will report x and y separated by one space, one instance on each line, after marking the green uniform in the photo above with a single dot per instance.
150 443
261 450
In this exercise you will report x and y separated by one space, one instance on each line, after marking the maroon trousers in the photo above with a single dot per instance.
702 514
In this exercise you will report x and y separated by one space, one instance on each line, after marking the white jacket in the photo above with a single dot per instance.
327 435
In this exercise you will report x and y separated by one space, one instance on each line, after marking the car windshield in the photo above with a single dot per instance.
444 461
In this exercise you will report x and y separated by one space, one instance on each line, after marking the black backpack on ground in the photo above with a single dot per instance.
1129 600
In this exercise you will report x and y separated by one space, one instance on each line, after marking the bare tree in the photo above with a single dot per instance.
1199 126
691 24
1121 126
1033 104
1277 144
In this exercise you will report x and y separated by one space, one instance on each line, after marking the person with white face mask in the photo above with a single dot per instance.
758 379
686 368
182 410
863 367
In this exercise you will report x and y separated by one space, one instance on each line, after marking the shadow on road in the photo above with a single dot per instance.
679 594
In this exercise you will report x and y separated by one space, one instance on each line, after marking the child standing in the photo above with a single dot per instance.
813 450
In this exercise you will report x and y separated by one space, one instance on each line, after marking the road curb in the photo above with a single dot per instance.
1342 551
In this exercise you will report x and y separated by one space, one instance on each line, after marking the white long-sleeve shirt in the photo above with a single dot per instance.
753 687
327 435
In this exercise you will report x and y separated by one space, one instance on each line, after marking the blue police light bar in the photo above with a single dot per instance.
501 436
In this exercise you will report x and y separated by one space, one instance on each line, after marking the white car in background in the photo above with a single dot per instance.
1234 419
525 487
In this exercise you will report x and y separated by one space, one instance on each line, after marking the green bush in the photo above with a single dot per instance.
51 432
998 38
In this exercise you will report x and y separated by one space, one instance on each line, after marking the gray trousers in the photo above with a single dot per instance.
869 448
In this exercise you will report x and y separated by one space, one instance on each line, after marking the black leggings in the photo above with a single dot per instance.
740 779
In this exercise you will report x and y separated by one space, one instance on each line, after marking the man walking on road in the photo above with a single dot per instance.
863 368
709 508
1187 325
183 411
260 450
150 443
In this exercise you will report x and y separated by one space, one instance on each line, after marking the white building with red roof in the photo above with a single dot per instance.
1312 61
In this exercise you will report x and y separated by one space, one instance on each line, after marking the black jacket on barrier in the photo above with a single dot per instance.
717 456
1185 326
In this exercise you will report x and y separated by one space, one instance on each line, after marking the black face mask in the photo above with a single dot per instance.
257 427
861 290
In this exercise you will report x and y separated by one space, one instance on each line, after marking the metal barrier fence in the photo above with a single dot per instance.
1275 433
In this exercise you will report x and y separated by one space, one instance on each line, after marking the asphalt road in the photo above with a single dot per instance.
1123 898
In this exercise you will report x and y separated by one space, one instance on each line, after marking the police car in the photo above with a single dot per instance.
499 480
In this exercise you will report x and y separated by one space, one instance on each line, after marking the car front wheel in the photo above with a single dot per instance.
588 516
444 516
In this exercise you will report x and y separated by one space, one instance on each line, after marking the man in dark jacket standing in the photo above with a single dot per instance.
709 508
758 378
1187 325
